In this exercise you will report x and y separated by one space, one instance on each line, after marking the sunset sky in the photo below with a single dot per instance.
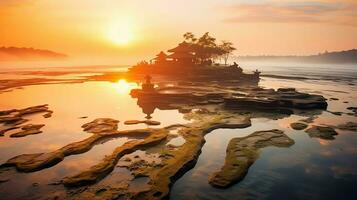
126 31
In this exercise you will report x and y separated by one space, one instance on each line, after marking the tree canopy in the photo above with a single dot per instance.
206 48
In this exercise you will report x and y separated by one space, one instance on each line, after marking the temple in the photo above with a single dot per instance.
193 62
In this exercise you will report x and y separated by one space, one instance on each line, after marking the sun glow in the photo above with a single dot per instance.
123 87
121 34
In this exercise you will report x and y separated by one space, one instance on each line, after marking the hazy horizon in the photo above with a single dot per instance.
110 32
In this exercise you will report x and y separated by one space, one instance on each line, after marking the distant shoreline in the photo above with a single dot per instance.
338 57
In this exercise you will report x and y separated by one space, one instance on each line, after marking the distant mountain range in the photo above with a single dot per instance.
349 56
20 54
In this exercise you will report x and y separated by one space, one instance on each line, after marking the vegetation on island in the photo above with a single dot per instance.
206 49
201 51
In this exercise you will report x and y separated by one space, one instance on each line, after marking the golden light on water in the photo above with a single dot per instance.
124 87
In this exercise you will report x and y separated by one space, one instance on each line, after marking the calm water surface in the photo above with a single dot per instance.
310 169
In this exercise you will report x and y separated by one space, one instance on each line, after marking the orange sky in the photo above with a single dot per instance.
83 29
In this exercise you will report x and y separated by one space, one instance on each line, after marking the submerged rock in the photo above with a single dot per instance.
13 118
6 129
147 122
354 111
29 129
323 132
241 154
350 126
298 126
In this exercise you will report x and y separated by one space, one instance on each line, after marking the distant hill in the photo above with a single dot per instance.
19 54
349 56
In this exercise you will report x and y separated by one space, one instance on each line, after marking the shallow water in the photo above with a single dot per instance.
70 102
310 169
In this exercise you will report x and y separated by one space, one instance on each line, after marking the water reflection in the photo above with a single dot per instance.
312 168
124 87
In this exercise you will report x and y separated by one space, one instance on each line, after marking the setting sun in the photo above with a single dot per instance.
178 100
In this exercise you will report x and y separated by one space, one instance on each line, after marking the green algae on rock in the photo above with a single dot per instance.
298 126
241 154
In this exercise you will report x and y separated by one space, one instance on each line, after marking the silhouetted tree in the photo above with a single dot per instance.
227 49
206 49
190 37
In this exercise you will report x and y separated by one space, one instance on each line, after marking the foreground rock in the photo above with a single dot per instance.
101 125
323 132
38 161
298 126
241 154
102 169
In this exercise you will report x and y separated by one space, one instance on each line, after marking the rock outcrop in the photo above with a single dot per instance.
241 154
14 119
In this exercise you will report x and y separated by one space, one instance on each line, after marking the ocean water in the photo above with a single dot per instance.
310 169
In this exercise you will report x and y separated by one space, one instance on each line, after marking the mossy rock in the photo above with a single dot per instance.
298 126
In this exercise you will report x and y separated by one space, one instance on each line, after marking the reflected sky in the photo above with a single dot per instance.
310 169
70 102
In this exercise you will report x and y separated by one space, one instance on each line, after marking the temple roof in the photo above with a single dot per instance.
182 47
181 55
161 54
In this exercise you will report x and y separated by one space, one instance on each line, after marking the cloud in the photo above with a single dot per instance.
343 13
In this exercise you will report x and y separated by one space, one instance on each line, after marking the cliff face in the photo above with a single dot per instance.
15 53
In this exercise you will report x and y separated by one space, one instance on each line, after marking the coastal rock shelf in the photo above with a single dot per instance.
15 118
282 98
38 161
241 154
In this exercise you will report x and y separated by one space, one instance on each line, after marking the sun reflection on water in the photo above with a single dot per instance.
124 87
